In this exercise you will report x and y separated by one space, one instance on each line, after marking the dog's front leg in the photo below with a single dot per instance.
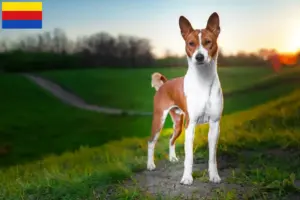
213 137
187 178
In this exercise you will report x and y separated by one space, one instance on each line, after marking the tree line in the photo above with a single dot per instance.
54 50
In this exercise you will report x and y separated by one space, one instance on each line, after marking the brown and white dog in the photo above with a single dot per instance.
197 97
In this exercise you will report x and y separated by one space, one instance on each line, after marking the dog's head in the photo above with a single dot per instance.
201 45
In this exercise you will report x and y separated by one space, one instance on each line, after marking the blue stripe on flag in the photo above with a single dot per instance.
22 24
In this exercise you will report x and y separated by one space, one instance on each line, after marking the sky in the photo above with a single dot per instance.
245 25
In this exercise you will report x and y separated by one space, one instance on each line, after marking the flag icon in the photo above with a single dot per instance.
22 15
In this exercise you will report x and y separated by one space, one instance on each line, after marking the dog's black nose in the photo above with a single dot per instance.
199 57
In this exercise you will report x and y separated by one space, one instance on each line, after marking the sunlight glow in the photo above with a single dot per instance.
294 40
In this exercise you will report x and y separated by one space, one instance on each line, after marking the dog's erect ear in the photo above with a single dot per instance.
185 27
213 24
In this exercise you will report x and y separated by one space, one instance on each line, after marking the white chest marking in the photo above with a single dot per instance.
204 95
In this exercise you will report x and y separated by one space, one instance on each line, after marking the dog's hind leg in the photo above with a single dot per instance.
177 119
159 117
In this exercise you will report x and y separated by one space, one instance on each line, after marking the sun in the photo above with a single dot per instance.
294 41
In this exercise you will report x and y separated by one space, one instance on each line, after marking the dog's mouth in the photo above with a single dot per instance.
200 62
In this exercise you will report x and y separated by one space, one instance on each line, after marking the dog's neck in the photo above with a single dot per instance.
204 73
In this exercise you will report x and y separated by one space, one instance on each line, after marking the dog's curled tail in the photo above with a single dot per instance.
158 80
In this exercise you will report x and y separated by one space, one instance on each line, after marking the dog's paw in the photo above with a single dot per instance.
187 180
151 166
173 159
214 178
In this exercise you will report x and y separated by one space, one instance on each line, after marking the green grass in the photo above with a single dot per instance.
271 134
261 147
60 152
35 123
87 172
107 86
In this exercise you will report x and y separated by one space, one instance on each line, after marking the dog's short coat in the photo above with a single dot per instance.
197 97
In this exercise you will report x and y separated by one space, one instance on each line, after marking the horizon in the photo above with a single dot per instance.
245 26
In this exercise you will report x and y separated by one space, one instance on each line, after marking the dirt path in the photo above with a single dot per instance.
165 181
72 99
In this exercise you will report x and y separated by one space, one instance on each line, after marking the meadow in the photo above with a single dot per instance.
131 88
60 152
134 85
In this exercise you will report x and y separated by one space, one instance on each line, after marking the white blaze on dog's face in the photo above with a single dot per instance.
201 45
201 54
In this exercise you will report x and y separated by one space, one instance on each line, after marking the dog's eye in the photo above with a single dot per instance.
192 44
207 42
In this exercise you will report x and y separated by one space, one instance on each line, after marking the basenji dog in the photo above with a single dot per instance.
197 97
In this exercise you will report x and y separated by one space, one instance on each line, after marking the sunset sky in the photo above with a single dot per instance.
245 25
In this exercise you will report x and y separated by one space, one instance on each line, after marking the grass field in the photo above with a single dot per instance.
60 152
35 123
134 85
107 87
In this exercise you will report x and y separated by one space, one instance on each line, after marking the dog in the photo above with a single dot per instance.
197 97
